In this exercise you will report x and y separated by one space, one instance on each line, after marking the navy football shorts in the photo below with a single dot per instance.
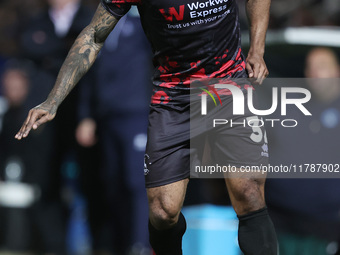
178 136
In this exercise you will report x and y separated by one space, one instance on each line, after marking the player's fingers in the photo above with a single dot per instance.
41 121
261 76
21 132
267 73
249 70
35 115
23 127
256 69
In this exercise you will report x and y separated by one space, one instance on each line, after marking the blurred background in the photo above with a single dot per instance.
68 187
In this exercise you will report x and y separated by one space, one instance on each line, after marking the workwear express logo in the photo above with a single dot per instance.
240 100
173 13
196 10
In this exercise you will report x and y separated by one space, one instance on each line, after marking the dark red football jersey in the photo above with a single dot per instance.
190 39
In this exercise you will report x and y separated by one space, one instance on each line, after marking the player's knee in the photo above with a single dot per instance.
249 195
164 217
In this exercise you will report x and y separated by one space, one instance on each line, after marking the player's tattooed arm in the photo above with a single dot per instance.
78 61
258 17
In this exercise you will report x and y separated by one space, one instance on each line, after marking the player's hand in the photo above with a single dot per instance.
86 132
38 115
256 67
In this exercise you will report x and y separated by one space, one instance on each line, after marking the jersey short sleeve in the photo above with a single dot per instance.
118 8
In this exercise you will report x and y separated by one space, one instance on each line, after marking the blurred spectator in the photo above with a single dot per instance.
14 13
323 63
30 218
46 40
298 13
119 117
49 35
306 212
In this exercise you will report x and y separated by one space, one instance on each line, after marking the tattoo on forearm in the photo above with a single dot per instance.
82 55
105 25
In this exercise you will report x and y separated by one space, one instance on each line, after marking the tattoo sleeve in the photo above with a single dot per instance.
82 55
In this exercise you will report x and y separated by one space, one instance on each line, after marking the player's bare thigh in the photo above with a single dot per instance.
246 192
165 203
